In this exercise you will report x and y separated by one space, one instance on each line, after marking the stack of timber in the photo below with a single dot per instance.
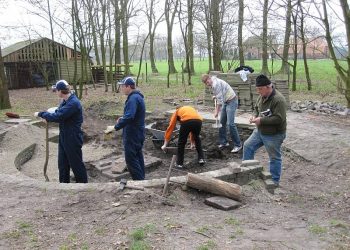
246 92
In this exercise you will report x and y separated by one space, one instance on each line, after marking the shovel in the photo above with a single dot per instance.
217 124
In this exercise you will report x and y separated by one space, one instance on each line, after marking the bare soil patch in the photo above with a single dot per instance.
310 210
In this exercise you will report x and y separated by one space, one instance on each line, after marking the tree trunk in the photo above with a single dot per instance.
285 66
344 73
214 186
170 23
190 37
295 60
216 30
140 64
303 39
152 25
265 67
117 58
151 54
125 23
4 94
240 33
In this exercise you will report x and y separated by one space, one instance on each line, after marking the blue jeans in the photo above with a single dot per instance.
272 144
227 118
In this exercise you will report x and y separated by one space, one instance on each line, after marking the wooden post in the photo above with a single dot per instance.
215 186
165 189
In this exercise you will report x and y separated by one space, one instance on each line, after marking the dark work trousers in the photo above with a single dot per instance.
70 156
134 160
186 127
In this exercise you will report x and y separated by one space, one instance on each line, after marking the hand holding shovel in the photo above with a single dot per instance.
217 124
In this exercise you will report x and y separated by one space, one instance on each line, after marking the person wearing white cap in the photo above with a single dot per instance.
69 115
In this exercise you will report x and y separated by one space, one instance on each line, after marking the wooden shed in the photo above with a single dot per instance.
33 63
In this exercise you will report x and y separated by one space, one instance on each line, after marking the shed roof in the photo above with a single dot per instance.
17 46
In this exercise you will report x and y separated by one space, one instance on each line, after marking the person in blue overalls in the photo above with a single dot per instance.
133 124
69 115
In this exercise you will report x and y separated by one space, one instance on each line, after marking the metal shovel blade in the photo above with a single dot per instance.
216 125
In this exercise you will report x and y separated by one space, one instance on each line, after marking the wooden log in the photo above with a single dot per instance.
214 186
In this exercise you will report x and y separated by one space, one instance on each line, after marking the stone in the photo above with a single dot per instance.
222 203
270 186
265 175
247 163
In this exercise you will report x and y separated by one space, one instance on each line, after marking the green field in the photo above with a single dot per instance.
322 72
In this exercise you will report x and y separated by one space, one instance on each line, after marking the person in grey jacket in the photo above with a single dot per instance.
228 101
270 119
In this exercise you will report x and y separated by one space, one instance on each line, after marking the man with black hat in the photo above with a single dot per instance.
270 119
69 115
133 124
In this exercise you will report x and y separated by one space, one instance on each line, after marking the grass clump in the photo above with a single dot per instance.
317 229
138 237
232 221
210 244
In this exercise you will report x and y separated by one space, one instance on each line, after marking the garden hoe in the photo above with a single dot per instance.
217 124
47 150
50 110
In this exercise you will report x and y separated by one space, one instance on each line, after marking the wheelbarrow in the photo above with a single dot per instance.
158 135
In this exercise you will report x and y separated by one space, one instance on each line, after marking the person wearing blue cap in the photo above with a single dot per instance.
133 124
69 115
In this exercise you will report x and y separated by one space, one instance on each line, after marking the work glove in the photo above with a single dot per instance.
163 147
36 114
109 129
52 110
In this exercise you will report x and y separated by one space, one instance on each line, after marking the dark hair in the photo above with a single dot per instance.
65 91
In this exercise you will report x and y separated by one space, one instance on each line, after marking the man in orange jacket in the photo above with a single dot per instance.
191 123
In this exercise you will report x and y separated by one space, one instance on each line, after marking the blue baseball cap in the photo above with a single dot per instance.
61 85
127 81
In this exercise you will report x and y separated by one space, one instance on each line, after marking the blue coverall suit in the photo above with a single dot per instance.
133 125
69 115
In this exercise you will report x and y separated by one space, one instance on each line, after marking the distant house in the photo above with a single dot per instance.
316 48
32 63
252 47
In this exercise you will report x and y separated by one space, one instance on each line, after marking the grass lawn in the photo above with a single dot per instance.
322 72
323 75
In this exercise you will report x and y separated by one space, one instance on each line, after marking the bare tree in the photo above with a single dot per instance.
185 35
4 94
91 10
204 7
81 36
266 8
285 66
216 30
170 11
117 16
304 44
153 22
295 43
343 70
240 33
190 6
